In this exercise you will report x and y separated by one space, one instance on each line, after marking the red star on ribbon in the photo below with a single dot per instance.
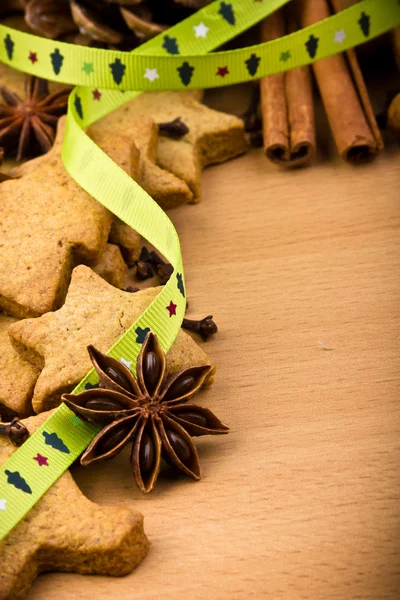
33 57
222 71
41 460
96 94
171 308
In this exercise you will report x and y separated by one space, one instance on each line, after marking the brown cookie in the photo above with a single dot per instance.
122 150
111 266
17 377
64 531
213 136
127 239
164 187
94 313
48 224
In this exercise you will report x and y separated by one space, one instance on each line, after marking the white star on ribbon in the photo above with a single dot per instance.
3 504
201 30
125 362
339 36
151 74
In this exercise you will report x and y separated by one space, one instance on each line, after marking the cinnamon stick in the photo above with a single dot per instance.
287 104
348 108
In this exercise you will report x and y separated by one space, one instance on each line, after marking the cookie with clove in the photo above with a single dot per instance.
213 136
17 376
79 536
94 313
164 187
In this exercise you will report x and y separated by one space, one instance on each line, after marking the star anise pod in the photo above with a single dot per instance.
150 410
28 126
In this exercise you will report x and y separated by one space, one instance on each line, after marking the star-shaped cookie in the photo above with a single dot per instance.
164 187
64 531
213 136
111 266
94 313
48 224
121 149
17 376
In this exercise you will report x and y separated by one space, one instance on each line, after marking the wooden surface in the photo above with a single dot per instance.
301 500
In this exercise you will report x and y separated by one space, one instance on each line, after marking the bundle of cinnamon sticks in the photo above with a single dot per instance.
287 100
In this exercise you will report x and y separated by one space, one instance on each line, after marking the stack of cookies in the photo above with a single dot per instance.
65 262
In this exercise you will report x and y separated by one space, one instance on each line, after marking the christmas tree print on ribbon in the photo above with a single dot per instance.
252 64
57 60
185 72
365 23
141 334
180 285
170 45
285 56
15 479
9 46
78 106
227 13
312 45
52 440
117 70
91 386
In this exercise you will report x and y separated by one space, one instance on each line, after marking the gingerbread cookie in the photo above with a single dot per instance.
121 150
64 531
17 376
213 136
127 239
94 313
164 187
111 266
47 225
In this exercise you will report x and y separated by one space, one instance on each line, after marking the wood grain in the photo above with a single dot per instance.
301 500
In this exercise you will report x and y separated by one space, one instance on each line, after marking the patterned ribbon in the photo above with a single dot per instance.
171 61
175 60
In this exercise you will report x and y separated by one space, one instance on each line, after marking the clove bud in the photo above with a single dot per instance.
175 129
150 263
204 327
144 270
16 431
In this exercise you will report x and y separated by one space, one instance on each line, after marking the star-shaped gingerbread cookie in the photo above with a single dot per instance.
111 266
94 313
17 376
213 136
64 531
48 224
164 187
121 149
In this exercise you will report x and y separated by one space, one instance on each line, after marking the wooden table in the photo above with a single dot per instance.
301 500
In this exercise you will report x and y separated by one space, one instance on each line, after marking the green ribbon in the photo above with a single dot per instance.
176 60
62 438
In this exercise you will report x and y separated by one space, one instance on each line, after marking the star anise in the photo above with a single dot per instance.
151 411
28 126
